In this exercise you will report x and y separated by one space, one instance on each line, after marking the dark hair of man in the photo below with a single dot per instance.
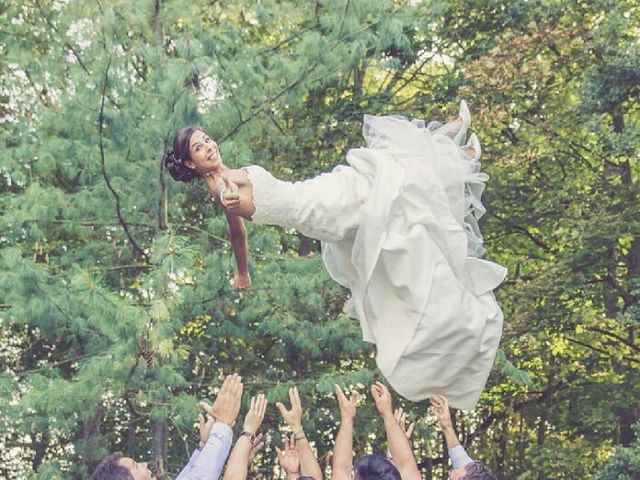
477 471
375 467
109 469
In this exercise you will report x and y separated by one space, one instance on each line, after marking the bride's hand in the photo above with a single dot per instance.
241 281
230 195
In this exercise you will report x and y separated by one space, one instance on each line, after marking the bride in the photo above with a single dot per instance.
398 227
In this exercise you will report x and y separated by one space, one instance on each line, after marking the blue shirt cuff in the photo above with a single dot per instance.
222 431
459 457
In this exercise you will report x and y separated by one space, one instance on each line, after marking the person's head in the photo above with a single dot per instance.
118 467
472 471
375 466
194 154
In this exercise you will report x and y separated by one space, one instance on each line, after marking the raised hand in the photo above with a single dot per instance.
347 407
255 415
289 459
256 446
227 405
397 438
382 398
230 195
293 416
440 406
342 463
401 418
205 428
304 454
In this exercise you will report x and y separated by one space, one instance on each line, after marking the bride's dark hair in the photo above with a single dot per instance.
174 160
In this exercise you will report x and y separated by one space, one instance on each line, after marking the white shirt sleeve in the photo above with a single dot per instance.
206 464
459 457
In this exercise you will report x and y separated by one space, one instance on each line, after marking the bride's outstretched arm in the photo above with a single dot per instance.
238 237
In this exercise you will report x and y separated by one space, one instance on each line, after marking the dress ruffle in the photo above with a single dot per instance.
455 171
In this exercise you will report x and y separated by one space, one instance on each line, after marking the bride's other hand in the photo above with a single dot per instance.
241 281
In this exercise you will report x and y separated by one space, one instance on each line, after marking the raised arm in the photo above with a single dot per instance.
308 464
457 453
215 435
440 406
342 463
239 245
401 419
397 441
289 459
238 464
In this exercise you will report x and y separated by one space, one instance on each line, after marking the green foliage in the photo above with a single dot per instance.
625 463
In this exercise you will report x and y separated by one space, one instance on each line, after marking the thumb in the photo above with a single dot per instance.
227 182
201 421
282 408
207 408
279 453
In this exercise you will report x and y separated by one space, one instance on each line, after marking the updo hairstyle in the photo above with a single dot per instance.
174 160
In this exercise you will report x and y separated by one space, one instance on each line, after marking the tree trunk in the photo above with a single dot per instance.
131 434
358 80
90 433
629 415
163 214
305 246
160 448
501 458
548 402
40 449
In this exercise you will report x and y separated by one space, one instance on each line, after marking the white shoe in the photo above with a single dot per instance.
465 114
465 117
475 144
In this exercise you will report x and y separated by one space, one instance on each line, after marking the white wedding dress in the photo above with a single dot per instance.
399 229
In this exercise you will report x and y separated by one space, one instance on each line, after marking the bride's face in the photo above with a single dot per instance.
204 153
